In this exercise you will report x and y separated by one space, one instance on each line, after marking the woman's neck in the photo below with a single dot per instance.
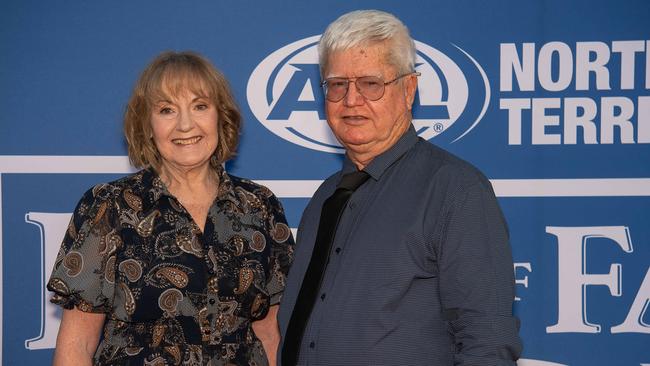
192 179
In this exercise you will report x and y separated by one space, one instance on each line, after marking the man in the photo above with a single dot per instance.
416 268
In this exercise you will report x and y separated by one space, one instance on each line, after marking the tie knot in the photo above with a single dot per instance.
352 181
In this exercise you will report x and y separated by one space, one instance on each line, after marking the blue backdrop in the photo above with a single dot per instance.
551 99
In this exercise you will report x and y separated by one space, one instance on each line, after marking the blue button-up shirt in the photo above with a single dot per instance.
420 271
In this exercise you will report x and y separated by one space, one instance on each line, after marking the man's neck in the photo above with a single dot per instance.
362 156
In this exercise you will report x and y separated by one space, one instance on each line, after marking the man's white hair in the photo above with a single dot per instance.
368 27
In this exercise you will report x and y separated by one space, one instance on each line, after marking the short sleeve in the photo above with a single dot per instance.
84 271
282 246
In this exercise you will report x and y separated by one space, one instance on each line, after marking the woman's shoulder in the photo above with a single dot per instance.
248 185
144 177
136 183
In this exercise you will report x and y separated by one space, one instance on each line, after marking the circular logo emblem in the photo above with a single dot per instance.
284 94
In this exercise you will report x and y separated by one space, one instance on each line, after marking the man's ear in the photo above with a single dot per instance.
410 86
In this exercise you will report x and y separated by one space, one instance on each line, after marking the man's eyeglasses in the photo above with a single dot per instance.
370 87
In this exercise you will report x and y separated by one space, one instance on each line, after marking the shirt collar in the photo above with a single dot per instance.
381 162
156 188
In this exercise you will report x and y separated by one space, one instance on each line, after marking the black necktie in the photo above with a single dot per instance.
329 220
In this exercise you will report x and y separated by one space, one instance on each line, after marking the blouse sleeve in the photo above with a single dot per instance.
84 270
281 255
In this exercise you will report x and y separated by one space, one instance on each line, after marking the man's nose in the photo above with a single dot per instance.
353 97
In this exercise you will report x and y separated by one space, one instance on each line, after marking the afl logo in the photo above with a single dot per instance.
284 94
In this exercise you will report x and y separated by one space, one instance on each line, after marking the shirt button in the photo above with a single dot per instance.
338 250
312 345
212 301
322 297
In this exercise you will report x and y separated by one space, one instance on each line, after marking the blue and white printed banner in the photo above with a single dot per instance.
550 99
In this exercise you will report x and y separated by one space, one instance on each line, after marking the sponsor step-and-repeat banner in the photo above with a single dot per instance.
550 99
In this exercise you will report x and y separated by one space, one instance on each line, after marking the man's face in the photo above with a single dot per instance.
367 128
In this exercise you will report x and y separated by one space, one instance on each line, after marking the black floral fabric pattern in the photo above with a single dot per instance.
172 294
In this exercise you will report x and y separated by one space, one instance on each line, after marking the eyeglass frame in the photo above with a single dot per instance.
323 85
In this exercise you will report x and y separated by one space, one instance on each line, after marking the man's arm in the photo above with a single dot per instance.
477 280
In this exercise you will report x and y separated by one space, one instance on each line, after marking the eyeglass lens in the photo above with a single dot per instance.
370 87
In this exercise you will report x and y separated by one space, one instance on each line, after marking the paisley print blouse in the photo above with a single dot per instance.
174 295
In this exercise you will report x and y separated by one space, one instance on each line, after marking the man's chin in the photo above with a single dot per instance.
359 147
354 144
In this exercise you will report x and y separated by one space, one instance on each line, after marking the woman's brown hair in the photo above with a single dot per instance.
175 73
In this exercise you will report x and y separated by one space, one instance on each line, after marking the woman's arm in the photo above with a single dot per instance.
267 331
78 337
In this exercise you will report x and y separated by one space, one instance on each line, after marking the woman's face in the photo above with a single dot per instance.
185 130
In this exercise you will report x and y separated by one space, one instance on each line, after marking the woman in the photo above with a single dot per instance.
180 263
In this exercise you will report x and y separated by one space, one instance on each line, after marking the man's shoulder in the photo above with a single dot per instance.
327 187
444 165
324 190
